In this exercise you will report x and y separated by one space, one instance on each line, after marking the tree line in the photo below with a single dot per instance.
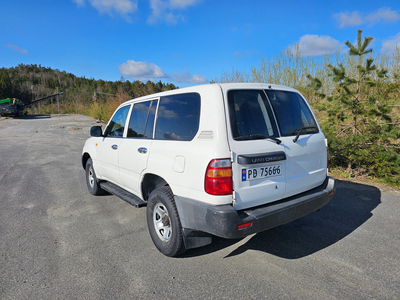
31 82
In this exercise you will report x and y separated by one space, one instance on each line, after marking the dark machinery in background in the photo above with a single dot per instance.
11 107
15 107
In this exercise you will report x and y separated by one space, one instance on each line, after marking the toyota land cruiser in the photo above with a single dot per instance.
227 160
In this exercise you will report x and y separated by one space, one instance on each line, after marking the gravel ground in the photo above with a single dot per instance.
59 242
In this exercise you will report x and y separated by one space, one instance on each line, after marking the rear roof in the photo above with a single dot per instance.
229 86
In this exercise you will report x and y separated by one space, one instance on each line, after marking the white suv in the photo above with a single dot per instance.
220 159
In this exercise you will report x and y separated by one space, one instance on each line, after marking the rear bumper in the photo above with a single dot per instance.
222 220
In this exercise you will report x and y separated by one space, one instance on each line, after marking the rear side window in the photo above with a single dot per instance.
250 115
178 117
142 120
292 113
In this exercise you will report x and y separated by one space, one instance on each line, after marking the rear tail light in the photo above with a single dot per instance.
218 180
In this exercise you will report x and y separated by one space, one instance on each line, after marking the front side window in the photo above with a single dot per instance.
250 115
178 117
117 124
142 120
292 113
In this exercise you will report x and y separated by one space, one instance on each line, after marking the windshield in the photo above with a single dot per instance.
292 113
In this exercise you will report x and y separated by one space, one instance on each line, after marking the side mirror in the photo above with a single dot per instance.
96 131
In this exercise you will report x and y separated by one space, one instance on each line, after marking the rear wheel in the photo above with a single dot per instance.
91 179
163 222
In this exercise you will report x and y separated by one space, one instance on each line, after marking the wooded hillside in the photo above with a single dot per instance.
31 82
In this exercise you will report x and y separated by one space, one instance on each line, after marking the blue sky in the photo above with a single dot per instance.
184 42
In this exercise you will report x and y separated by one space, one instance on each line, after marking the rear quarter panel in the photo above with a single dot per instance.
183 163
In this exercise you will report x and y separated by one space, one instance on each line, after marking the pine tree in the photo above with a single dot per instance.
5 85
360 127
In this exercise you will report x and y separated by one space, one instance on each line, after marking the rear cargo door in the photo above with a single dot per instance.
259 158
304 142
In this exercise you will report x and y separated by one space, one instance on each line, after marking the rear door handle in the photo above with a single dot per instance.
142 150
114 147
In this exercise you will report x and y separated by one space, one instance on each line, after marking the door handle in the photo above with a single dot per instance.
114 147
142 150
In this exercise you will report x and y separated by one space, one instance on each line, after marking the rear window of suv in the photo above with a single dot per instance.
251 115
292 113
256 114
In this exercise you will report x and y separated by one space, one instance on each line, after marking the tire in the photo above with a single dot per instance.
91 179
163 222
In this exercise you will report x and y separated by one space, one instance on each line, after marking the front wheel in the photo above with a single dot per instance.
163 222
91 179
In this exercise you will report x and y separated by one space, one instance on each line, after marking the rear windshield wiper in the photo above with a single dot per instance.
257 137
300 130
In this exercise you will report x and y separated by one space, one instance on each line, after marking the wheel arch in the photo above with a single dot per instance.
85 157
89 151
151 182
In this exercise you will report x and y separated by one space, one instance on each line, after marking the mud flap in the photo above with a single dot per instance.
195 239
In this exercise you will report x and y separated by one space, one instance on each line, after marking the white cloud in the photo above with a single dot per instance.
16 48
182 4
121 7
390 45
315 45
383 14
80 3
162 11
188 78
141 70
238 54
355 18
165 10
349 19
144 71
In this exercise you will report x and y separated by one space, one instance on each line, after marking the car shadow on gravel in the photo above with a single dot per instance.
351 207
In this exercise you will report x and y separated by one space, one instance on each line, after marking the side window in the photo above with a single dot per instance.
150 120
292 113
117 124
178 117
141 122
